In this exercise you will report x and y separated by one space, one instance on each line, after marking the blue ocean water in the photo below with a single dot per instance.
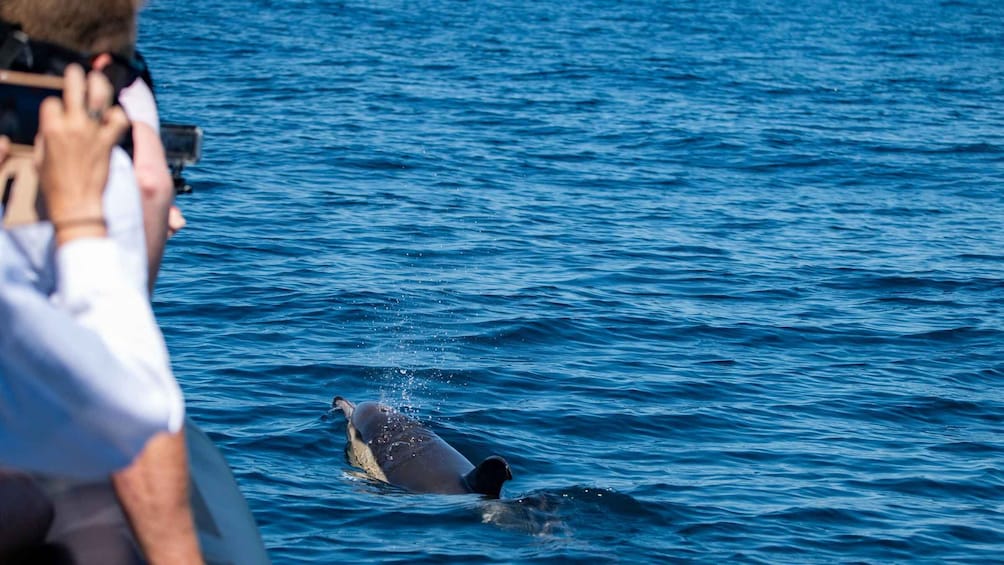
723 281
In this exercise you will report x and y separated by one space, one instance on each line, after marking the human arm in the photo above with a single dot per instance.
84 377
154 494
153 490
156 193
85 381
152 173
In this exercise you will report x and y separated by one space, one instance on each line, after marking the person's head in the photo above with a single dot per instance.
88 26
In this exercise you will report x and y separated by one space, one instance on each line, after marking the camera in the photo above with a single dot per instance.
21 94
182 146
182 143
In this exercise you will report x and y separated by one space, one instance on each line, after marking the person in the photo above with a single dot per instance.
84 368
153 490
107 30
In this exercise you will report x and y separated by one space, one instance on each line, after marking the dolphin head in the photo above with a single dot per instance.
488 476
357 450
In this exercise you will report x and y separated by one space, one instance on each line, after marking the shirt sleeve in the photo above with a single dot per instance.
84 376
139 104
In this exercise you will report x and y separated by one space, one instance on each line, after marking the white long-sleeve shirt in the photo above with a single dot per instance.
84 374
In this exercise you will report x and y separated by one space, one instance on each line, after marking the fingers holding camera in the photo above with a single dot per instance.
74 88
75 139
99 96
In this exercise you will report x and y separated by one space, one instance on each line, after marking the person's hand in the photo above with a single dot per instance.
73 148
175 221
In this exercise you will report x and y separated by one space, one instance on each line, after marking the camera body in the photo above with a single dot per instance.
21 94
182 146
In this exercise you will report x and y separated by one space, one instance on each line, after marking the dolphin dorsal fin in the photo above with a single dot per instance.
488 476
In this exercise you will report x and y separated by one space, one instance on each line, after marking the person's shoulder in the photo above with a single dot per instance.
139 104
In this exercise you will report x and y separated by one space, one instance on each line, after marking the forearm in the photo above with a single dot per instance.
156 191
154 494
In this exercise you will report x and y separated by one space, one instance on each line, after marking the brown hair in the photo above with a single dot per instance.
92 26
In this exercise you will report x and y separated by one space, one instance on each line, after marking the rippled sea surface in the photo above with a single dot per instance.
723 281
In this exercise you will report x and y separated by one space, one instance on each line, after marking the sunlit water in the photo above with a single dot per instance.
723 281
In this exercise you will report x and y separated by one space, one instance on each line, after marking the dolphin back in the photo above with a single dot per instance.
411 455
408 454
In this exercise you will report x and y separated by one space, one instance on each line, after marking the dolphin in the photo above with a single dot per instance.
399 450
